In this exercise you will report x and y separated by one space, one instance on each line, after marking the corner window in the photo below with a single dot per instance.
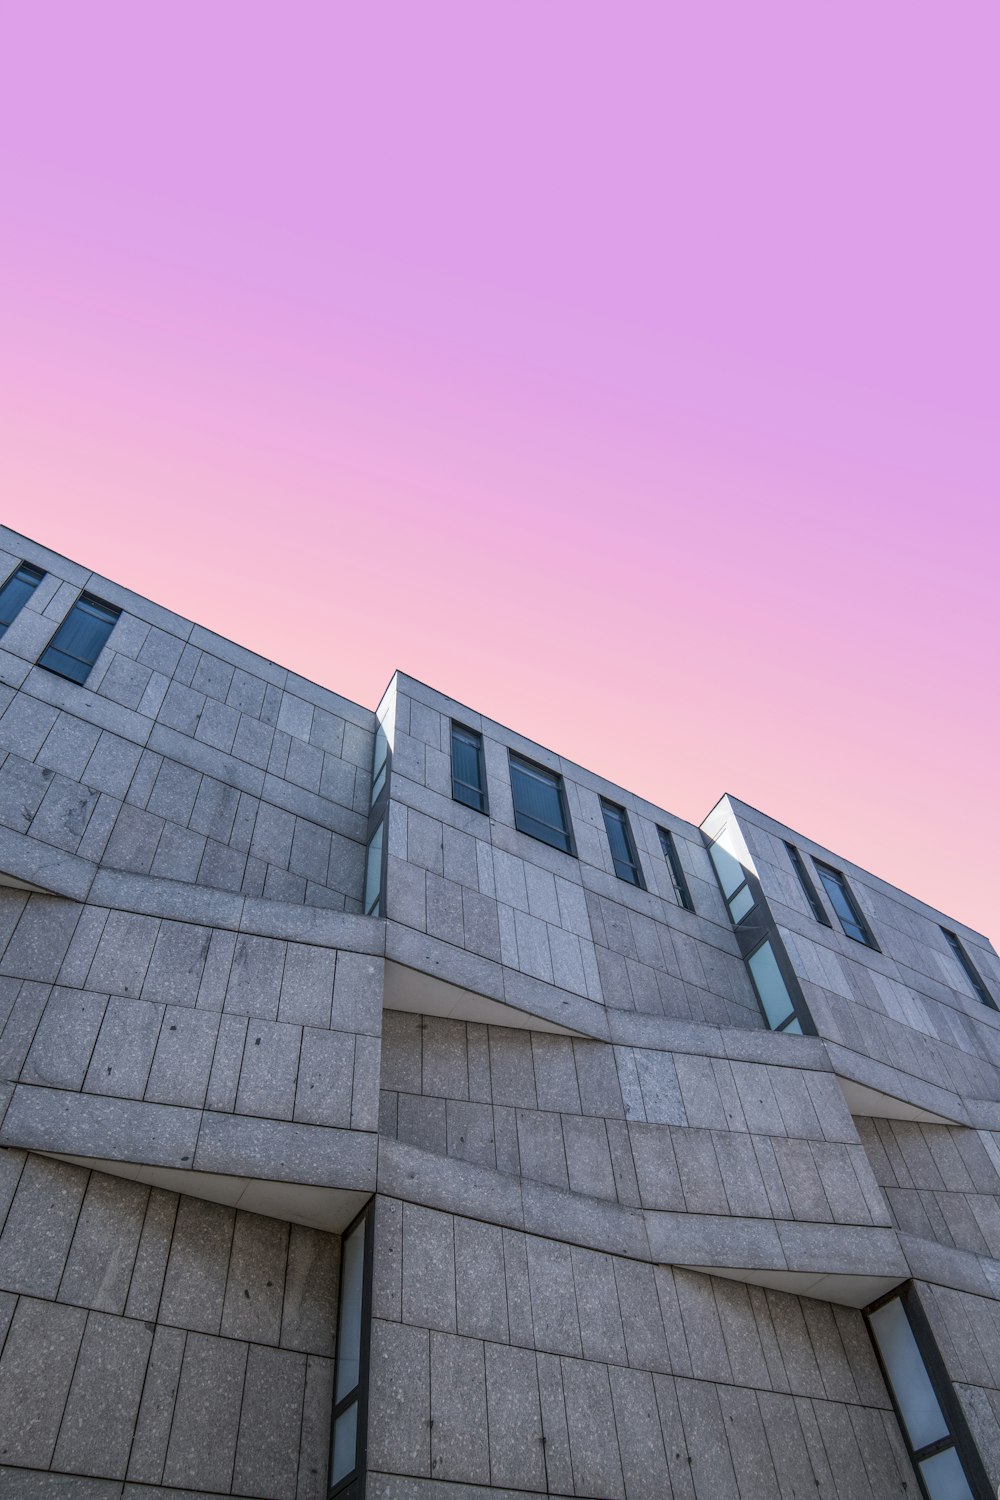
16 592
540 803
350 1374
772 991
844 904
808 889
970 971
373 874
380 762
623 853
468 776
677 876
80 639
734 882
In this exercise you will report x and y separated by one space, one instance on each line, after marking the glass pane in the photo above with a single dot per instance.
467 794
349 1320
465 758
741 904
621 847
944 1477
538 808
908 1375
794 1026
842 904
15 593
770 986
80 638
373 870
344 1454
378 783
549 835
729 870
379 758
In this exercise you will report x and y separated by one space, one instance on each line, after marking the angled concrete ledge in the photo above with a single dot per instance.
893 1084
28 864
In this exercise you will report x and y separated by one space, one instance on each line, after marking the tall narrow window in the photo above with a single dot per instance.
16 592
77 643
844 904
681 889
540 803
808 889
921 1404
772 991
373 874
970 971
623 854
468 777
733 880
350 1376
380 761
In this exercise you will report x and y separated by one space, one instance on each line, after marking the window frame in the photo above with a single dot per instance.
13 577
747 884
668 848
91 601
477 737
376 908
532 767
867 940
808 889
351 1485
380 768
806 1026
619 814
972 974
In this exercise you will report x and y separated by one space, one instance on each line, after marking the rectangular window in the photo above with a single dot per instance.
623 854
681 890
808 889
844 904
540 803
16 592
468 776
380 760
733 880
930 1437
373 874
350 1375
772 992
80 638
970 971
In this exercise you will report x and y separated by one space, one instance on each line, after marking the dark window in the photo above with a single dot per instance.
969 969
468 778
540 803
845 906
350 1371
677 875
733 879
626 861
16 592
77 643
809 890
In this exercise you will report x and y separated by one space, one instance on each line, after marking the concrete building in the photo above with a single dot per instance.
385 1074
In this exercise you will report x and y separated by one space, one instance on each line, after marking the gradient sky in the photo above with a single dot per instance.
627 371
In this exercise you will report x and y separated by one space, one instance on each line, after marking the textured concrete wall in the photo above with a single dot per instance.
154 1340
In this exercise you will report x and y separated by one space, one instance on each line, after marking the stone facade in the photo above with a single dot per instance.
621 1236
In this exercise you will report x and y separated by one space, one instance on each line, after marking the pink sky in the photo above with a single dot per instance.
628 372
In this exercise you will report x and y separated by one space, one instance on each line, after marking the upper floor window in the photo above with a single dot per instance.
350 1370
540 803
380 763
80 638
373 874
468 775
623 853
681 889
733 879
969 969
772 991
16 592
808 889
844 904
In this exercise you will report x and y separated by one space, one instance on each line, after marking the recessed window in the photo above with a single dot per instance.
80 638
808 889
380 761
970 971
679 879
623 854
734 882
350 1376
772 991
844 904
373 874
540 803
16 592
468 776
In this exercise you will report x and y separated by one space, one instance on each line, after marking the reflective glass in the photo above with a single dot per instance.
17 591
911 1384
619 838
80 638
681 890
741 903
379 762
770 986
344 1454
467 767
349 1320
793 1026
373 871
968 969
842 903
538 805
808 889
944 1477
729 870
